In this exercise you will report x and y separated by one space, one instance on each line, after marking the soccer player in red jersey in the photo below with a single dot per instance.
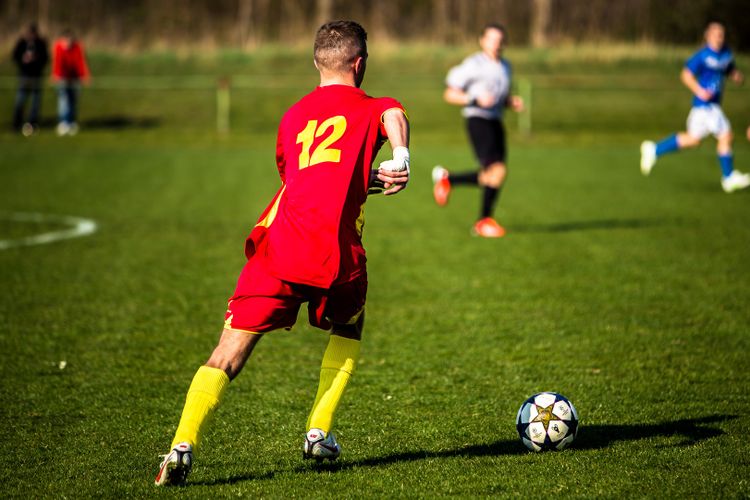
307 244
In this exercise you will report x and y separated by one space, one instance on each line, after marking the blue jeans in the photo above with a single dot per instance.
67 101
27 87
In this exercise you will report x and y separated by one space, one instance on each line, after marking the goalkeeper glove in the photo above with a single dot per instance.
399 163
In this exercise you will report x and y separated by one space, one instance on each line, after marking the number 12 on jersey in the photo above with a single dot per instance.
323 152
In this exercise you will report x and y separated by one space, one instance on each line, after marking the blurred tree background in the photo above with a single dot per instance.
248 24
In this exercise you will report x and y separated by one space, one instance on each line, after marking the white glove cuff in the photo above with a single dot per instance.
401 154
401 157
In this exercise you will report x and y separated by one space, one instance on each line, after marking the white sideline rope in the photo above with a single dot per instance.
78 226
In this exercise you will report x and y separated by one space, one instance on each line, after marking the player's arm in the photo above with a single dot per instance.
736 75
458 82
689 80
458 79
395 173
515 102
459 97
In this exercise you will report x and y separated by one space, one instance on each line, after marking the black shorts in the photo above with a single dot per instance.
488 139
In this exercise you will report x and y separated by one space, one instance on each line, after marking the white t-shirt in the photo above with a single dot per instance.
479 74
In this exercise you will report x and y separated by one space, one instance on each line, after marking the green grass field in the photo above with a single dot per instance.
628 295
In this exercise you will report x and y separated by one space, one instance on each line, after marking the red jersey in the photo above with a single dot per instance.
311 232
69 62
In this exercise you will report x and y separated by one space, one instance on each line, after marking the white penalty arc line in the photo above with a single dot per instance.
78 226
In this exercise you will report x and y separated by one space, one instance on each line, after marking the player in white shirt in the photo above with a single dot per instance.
481 85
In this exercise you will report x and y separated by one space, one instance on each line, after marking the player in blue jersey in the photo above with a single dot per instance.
704 75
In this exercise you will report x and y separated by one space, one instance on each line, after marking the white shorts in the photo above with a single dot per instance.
704 120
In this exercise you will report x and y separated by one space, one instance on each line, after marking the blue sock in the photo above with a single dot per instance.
727 164
667 145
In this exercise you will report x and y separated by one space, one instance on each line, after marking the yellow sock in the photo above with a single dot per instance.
202 400
337 367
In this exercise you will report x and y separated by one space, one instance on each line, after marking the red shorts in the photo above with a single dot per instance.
262 303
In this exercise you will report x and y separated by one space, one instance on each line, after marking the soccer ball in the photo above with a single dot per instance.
547 421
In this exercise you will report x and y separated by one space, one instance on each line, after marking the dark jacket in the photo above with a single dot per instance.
37 56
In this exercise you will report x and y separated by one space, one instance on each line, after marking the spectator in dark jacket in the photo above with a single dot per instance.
30 55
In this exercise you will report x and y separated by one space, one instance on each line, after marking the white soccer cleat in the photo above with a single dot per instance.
648 156
28 129
735 181
320 446
62 129
176 466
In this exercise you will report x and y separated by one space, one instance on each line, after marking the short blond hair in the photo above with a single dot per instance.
338 44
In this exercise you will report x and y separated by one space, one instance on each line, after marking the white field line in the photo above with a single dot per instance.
78 227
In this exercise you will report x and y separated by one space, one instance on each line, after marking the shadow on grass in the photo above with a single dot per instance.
114 122
691 430
117 122
564 227
593 437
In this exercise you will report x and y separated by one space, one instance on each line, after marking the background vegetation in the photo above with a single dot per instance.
246 24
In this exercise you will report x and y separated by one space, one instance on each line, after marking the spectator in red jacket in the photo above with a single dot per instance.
30 55
69 70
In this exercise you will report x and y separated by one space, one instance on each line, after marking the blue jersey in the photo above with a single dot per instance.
710 67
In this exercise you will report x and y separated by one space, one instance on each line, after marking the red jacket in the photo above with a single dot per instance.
69 62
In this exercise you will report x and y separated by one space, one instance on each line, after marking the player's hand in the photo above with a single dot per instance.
395 173
737 77
704 94
393 182
487 100
515 102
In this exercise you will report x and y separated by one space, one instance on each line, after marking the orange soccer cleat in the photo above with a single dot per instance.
441 189
488 228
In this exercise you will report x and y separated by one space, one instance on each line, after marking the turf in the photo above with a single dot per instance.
628 295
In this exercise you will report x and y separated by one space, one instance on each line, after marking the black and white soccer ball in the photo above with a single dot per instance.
547 421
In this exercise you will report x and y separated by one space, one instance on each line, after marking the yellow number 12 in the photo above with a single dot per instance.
323 152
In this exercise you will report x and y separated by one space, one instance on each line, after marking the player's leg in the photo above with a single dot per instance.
63 105
210 382
73 95
20 104
491 178
344 307
651 151
482 135
260 303
203 398
36 102
443 180
731 179
724 153
336 369
696 130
